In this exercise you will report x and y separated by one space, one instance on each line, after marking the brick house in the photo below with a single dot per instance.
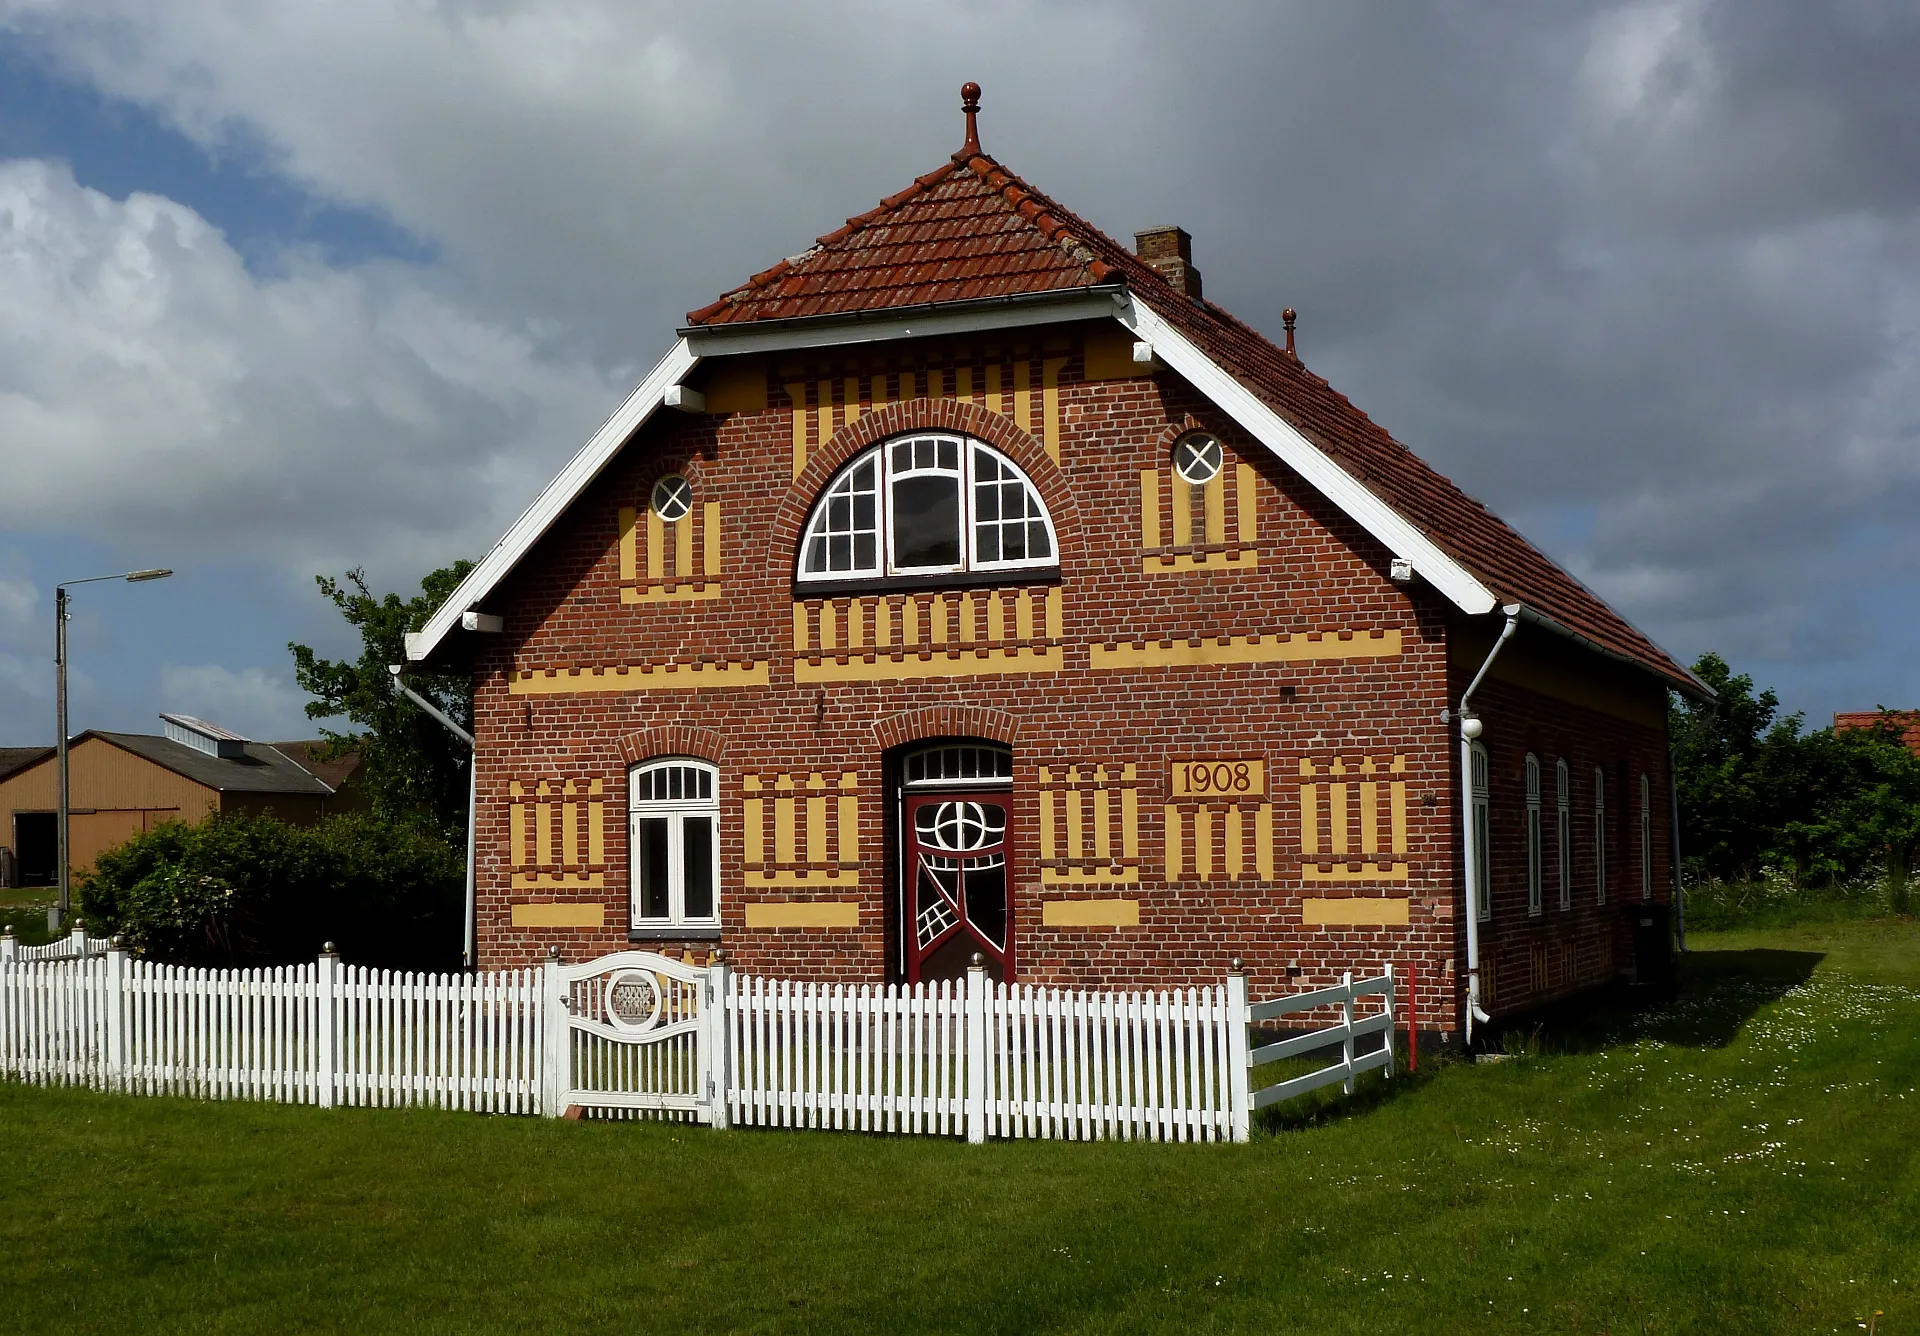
971 584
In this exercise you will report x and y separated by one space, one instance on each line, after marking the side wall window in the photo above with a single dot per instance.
1535 855
1563 845
1482 835
1600 834
673 823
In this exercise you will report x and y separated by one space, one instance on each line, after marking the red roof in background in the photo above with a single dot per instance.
1863 719
974 230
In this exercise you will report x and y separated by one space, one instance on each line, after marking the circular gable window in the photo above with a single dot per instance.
1197 457
672 498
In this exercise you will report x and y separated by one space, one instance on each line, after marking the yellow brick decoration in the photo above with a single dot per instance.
1205 651
949 633
672 676
1346 833
657 559
1089 825
1207 543
1219 824
556 833
801 829
1021 384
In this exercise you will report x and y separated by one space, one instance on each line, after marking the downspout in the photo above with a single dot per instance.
1471 728
1679 878
473 768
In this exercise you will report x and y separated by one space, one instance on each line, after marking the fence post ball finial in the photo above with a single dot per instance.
719 955
1234 964
329 949
553 954
978 962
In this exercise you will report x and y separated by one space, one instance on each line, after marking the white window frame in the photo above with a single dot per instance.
1646 837
1535 854
885 567
676 810
1600 835
1482 831
1563 797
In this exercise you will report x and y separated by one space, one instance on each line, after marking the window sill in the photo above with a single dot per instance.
666 932
897 584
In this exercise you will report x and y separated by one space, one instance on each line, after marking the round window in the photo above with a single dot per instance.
672 498
1197 457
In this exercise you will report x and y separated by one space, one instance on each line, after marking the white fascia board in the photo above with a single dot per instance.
1395 532
930 321
552 502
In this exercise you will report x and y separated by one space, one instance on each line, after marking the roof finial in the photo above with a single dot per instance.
970 104
1287 317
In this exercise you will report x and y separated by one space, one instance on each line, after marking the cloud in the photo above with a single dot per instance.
1653 265
319 419
252 701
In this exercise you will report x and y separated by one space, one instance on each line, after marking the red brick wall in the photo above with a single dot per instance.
1317 572
1620 728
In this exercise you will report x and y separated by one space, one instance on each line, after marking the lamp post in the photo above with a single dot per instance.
57 916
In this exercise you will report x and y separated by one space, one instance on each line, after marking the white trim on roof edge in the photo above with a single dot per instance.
553 500
1385 523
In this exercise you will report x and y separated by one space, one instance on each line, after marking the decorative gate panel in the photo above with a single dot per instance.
638 1036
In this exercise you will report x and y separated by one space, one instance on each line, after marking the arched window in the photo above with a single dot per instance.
1563 848
1535 855
1482 835
1646 837
929 504
1600 834
673 816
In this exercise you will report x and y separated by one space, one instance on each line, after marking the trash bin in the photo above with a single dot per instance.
1651 927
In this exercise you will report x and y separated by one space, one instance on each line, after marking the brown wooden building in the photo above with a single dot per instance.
971 583
121 784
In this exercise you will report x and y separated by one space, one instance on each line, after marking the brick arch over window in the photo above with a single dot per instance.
945 721
954 415
672 740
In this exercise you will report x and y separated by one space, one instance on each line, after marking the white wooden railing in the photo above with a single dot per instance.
1341 1033
967 1057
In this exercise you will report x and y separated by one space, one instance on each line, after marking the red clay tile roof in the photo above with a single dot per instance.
950 236
974 230
1909 721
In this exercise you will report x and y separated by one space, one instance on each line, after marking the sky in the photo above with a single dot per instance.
290 289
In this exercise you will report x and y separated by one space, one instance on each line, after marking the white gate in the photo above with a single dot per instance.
635 1031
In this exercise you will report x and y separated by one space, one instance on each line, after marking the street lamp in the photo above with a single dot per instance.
56 917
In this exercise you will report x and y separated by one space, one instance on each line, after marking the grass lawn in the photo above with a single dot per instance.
1745 1160
24 909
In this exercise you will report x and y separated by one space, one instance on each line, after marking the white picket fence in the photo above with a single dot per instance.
75 945
642 1035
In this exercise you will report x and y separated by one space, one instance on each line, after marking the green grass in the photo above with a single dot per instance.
25 910
1744 1160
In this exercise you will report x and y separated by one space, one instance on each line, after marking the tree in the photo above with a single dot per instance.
410 765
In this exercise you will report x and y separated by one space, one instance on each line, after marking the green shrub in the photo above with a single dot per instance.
244 889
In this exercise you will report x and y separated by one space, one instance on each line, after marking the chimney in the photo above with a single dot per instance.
1170 250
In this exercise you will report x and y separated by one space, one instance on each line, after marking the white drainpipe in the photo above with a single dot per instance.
1471 728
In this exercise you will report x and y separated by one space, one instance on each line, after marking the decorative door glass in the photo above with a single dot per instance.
958 888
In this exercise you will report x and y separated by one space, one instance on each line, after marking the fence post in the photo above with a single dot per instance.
554 1012
77 940
116 1007
1391 981
326 1076
719 1033
1346 1035
9 944
977 1058
1239 1078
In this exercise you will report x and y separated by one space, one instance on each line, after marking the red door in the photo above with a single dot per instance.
959 898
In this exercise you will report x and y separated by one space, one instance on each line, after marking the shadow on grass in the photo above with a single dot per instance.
1719 993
